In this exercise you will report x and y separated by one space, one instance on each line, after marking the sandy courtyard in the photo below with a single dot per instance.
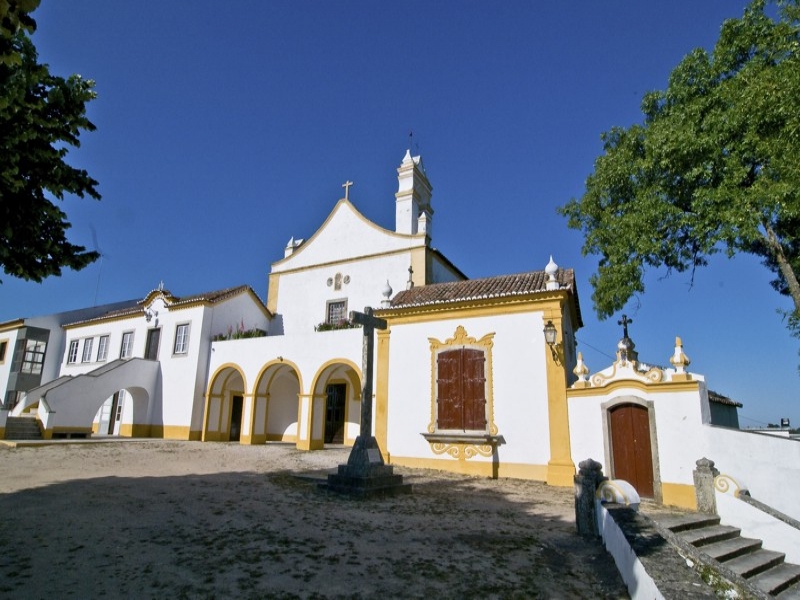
158 519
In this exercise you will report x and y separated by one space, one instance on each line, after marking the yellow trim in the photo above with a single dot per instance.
475 468
461 339
419 263
560 468
365 220
680 495
272 292
12 325
382 391
654 387
139 430
221 395
170 432
276 437
4 358
481 307
95 427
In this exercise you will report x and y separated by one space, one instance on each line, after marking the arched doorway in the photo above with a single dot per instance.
275 414
337 404
631 447
225 410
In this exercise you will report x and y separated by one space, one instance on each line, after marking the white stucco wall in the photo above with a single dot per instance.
519 381
678 421
303 295
346 234
307 351
766 464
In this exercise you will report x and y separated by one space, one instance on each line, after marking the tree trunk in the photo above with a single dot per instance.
786 269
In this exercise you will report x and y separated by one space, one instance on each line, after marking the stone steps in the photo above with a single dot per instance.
23 428
764 570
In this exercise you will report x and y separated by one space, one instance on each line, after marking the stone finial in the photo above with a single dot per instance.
550 270
387 294
679 359
410 282
582 371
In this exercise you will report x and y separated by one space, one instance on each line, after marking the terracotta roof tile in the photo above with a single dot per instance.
720 399
501 286
175 302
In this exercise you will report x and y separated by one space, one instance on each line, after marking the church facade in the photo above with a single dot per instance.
477 376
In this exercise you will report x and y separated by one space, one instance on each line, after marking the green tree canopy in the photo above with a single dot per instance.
715 166
41 116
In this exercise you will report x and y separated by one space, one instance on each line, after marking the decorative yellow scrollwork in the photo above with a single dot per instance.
462 451
728 485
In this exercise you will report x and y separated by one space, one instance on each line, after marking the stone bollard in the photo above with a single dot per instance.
704 476
590 474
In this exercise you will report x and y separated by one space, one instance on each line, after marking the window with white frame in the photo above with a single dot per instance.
87 350
126 349
72 355
337 311
181 339
102 348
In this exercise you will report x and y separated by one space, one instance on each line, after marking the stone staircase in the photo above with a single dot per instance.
763 570
24 427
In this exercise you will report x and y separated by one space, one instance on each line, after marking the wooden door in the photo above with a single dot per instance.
151 349
236 418
334 413
461 386
112 420
630 447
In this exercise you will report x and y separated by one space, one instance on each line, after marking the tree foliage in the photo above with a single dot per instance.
41 117
715 166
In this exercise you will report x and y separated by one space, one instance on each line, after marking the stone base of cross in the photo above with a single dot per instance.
366 475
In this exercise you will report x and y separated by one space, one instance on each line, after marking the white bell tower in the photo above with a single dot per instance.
413 212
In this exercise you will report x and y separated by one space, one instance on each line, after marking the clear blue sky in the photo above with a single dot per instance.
225 128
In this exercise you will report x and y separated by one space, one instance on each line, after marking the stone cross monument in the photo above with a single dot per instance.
365 474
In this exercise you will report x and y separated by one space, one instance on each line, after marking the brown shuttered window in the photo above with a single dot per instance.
461 390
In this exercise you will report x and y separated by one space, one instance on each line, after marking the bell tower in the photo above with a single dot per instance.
413 212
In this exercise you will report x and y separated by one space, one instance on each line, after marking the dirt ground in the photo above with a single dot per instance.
159 519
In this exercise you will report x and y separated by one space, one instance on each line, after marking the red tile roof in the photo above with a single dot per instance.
172 301
502 286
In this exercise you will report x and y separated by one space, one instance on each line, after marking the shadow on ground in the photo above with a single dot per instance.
256 535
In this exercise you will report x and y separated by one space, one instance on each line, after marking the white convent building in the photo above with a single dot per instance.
466 378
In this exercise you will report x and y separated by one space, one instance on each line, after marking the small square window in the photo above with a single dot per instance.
337 311
3 348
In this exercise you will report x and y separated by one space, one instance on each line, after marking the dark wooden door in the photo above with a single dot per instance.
236 418
334 413
151 349
630 444
112 418
461 386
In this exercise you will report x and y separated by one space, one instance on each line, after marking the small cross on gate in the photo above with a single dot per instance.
625 321
346 185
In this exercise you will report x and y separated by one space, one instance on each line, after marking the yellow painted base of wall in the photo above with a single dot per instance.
560 474
2 433
474 468
95 427
679 494
167 432
279 437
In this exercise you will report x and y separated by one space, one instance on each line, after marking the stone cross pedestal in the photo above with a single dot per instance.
365 474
